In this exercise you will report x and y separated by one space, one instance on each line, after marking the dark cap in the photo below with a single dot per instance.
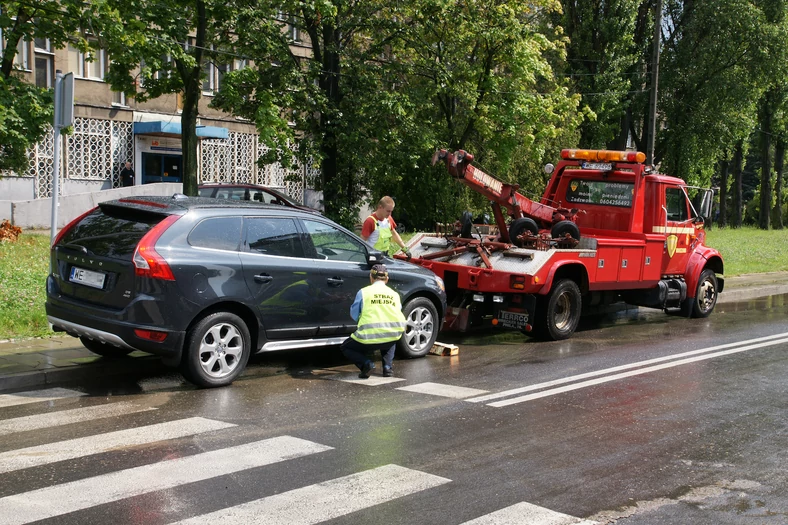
379 271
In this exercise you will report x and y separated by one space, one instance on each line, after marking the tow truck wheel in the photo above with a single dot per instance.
561 228
560 312
705 296
421 328
519 226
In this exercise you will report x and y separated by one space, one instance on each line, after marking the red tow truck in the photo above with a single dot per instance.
607 229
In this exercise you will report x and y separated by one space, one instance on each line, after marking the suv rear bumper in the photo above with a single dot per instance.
116 333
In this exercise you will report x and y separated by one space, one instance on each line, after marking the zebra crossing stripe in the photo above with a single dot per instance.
325 501
86 446
67 417
527 513
82 494
438 389
36 396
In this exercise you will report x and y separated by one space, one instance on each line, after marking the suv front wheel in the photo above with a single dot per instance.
421 328
217 350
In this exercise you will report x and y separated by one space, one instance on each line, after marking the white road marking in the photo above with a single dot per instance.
563 380
527 514
370 381
36 396
86 446
438 389
67 417
616 377
325 501
77 495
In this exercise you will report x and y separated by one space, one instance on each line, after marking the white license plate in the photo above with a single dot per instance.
512 319
604 166
87 277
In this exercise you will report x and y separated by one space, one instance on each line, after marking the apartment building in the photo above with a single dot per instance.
110 129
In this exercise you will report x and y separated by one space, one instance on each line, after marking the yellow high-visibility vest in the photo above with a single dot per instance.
381 318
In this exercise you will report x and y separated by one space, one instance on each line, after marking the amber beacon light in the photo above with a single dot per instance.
602 155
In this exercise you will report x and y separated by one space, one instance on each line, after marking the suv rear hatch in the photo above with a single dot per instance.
93 257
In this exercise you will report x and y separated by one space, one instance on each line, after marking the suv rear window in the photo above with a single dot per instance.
110 232
220 233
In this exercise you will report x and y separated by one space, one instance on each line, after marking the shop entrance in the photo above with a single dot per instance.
161 168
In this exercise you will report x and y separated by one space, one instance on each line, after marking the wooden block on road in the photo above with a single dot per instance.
444 349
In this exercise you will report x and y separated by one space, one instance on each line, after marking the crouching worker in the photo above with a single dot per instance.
378 314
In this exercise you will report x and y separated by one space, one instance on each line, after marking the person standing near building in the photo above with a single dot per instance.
379 228
378 313
127 176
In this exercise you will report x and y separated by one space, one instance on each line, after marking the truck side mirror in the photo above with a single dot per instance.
707 199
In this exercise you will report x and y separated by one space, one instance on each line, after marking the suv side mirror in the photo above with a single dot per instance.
374 257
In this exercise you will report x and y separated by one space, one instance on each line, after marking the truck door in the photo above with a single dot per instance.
679 231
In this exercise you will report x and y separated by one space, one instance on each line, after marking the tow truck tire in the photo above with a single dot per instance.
104 349
561 228
519 226
421 328
705 296
559 314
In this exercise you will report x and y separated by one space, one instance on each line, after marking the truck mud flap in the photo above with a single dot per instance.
519 317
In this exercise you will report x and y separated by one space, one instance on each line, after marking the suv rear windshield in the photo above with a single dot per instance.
110 232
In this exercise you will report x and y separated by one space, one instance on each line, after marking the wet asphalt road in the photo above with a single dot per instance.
700 438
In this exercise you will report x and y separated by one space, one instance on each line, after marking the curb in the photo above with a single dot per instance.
142 365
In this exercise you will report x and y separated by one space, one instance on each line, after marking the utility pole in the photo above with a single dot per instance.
652 129
64 117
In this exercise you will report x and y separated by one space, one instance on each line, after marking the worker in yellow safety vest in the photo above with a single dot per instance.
378 313
379 228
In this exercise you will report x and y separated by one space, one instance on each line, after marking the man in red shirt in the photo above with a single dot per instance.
379 228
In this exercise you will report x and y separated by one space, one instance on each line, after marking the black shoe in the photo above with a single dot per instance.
366 369
387 371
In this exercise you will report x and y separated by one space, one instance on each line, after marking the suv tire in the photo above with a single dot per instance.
421 328
217 350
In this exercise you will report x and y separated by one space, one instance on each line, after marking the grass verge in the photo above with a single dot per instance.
24 265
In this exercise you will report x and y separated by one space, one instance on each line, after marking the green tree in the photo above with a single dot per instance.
165 46
26 111
606 59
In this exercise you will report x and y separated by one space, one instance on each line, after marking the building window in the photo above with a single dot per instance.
208 83
44 63
118 98
92 65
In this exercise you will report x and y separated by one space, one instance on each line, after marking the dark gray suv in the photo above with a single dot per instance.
205 282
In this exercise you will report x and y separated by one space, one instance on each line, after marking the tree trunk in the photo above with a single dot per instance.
329 84
192 91
738 205
764 210
724 167
779 157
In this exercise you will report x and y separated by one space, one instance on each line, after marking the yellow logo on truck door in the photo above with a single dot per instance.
671 243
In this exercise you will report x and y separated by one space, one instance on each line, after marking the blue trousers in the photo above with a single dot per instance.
360 353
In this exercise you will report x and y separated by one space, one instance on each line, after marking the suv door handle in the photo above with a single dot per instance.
334 281
263 278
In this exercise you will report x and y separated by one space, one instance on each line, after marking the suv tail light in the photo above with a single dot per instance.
147 261
70 225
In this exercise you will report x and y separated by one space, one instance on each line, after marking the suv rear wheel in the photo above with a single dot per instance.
104 349
217 350
421 328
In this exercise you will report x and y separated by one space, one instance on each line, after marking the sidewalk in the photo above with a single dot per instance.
40 362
